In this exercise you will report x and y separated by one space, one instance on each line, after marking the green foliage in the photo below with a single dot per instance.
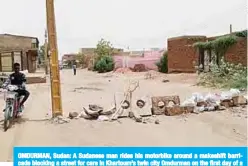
162 64
81 58
104 61
226 75
104 64
103 48
70 63
203 45
41 52
241 33
219 45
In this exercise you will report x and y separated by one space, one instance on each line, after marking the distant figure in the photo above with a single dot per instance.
74 67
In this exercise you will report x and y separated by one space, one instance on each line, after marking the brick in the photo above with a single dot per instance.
239 100
178 110
175 110
237 53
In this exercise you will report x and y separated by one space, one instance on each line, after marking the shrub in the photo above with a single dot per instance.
241 33
162 64
226 75
104 64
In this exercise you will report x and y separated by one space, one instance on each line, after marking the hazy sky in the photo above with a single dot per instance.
135 23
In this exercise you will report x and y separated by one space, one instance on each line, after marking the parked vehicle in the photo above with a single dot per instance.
12 106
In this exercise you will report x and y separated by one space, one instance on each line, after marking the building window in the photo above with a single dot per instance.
34 43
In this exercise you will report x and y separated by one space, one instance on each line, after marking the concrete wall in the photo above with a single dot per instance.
149 60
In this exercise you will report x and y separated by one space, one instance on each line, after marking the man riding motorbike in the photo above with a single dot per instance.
19 79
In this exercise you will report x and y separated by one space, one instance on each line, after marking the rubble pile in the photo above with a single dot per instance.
139 68
123 70
141 110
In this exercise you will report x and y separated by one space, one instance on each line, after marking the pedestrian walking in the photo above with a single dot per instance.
74 67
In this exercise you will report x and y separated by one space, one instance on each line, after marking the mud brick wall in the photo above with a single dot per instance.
238 52
182 54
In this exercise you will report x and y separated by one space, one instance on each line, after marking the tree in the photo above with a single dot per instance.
41 52
80 58
103 48
104 61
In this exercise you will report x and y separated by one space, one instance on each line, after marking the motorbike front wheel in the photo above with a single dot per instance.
7 118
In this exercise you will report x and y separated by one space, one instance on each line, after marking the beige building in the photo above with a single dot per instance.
18 49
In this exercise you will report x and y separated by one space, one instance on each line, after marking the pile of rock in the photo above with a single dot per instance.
139 68
123 70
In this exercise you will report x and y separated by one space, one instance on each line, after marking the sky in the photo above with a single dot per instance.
137 24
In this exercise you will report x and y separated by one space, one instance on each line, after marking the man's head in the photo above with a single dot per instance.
17 67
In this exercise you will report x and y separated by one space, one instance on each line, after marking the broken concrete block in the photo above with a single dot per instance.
124 106
160 103
142 106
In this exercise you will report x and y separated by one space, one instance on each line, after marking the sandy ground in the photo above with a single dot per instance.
225 128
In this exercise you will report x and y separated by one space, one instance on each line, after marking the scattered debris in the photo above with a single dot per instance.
60 120
103 118
157 121
165 81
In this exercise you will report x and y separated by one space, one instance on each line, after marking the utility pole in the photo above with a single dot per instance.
230 28
54 63
46 54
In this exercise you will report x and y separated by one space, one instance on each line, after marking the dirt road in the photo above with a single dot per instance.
206 129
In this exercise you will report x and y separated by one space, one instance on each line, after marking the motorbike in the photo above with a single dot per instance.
12 106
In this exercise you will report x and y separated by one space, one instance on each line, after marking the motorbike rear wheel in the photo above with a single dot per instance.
7 118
